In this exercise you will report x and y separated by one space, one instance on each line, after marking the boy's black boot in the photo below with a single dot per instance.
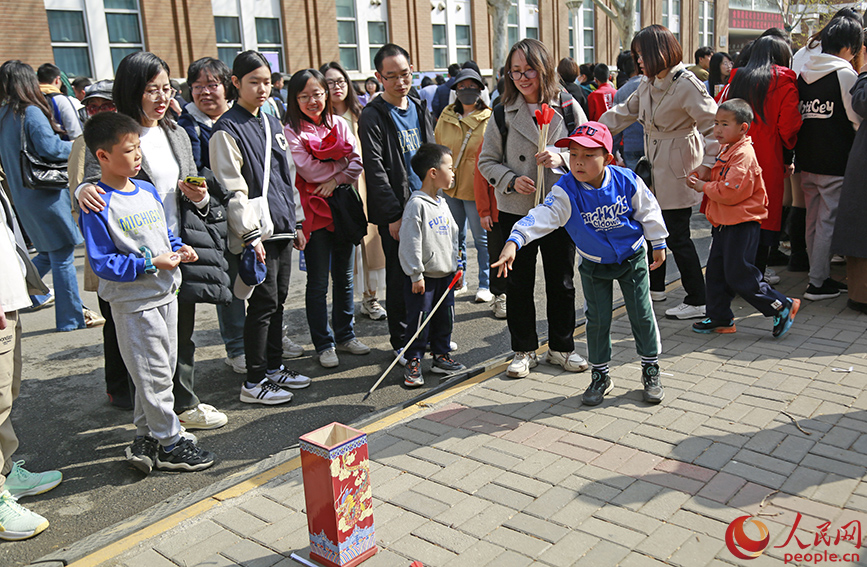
600 384
653 392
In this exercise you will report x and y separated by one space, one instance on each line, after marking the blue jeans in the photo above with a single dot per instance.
465 212
324 255
231 317
68 315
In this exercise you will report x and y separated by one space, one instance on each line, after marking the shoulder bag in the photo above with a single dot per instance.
38 174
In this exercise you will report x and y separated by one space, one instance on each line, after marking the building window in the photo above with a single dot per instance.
268 38
532 27
377 36
69 42
705 23
228 38
582 35
440 46
513 24
347 37
671 16
124 29
463 43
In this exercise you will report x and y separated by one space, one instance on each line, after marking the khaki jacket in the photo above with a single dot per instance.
451 130
682 135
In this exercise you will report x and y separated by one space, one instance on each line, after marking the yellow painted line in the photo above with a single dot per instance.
125 544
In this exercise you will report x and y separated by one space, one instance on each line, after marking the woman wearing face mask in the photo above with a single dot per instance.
238 152
370 263
326 155
142 92
461 128
510 165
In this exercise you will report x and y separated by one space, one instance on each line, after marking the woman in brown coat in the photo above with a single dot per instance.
677 115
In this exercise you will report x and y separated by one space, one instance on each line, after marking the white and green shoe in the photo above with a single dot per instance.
16 521
21 482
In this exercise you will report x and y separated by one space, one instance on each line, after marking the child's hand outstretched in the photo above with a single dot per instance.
167 261
418 287
658 258
507 256
695 183
187 254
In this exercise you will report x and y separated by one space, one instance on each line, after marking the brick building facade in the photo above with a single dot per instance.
91 36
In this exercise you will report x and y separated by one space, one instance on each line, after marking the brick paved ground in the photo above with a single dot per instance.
514 472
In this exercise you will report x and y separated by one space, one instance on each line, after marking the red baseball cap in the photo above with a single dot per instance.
589 135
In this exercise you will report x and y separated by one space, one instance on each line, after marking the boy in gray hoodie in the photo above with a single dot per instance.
428 251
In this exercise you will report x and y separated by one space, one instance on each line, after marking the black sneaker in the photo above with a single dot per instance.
711 326
600 384
653 392
784 319
827 291
445 364
185 456
412 373
834 283
142 454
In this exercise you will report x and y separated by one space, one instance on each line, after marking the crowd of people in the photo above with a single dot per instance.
182 202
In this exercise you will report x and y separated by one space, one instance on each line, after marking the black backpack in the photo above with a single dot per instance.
347 212
565 110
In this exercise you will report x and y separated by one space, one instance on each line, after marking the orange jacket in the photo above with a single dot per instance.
736 192
486 201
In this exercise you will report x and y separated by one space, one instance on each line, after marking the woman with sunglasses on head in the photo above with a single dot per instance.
248 152
326 155
678 116
142 92
510 165
370 264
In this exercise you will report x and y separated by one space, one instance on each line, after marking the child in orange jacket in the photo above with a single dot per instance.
735 202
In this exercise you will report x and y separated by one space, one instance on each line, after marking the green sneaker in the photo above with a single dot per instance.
16 521
21 482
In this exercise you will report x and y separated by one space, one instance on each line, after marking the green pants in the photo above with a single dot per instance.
597 281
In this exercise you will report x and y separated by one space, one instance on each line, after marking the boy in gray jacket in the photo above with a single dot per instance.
428 251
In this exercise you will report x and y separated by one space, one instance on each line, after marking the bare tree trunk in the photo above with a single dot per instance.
622 15
499 11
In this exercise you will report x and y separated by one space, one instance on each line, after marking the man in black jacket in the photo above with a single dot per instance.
391 128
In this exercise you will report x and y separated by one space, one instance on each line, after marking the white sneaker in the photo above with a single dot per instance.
658 296
771 277
463 290
265 392
484 295
521 365
570 361
371 307
837 259
237 363
203 416
499 306
402 359
187 435
354 346
288 378
291 349
684 311
328 358
16 521
453 346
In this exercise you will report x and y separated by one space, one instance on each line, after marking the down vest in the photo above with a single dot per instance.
207 279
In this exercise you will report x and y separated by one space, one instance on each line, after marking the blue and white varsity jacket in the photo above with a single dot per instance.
608 225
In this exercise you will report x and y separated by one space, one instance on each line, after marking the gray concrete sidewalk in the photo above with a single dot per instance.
513 472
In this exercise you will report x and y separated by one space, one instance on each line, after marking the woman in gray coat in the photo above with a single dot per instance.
510 165
142 91
850 230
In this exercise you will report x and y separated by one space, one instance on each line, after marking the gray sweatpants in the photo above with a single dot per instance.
148 344
822 196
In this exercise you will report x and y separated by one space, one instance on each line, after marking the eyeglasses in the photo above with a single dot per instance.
726 63
304 99
403 77
210 87
528 74
159 94
104 107
337 83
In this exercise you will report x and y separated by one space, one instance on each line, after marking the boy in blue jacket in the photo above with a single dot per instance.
610 213
136 256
